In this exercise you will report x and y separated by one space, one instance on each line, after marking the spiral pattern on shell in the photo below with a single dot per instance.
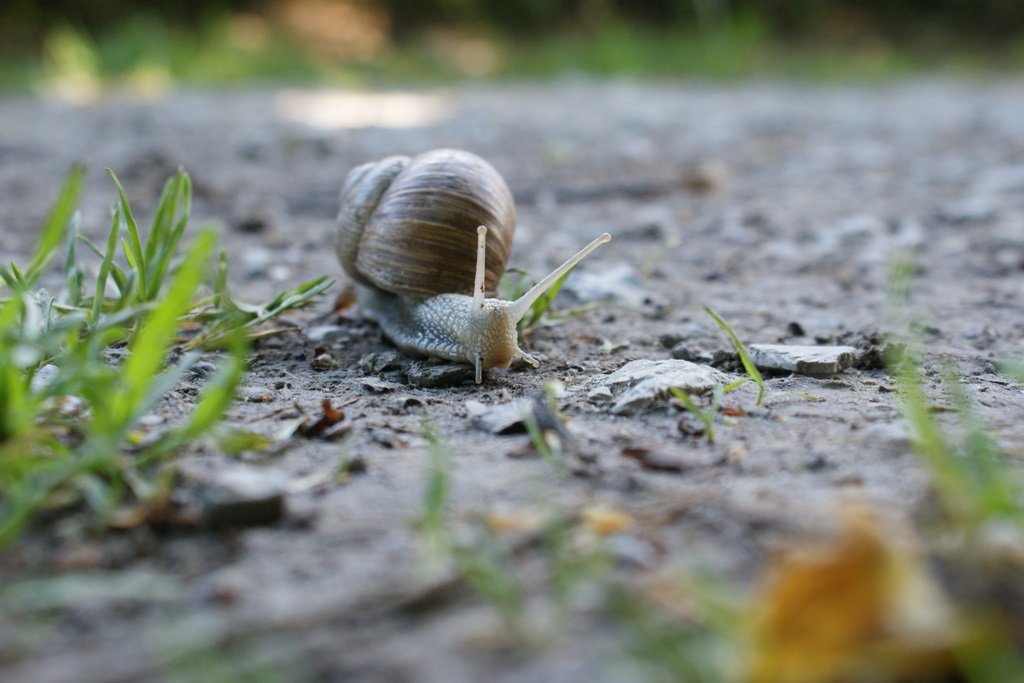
408 226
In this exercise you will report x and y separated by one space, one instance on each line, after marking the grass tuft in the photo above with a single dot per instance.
79 371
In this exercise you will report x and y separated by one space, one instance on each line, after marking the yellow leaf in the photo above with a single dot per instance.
861 608
605 521
522 520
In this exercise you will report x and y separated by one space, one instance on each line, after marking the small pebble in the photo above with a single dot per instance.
685 352
816 462
372 363
377 386
410 401
434 375
322 362
44 377
242 496
670 339
202 369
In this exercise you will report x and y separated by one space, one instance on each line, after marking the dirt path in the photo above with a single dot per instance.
780 206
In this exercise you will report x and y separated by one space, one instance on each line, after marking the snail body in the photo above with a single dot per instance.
407 228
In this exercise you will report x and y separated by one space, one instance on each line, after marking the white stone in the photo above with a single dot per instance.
640 383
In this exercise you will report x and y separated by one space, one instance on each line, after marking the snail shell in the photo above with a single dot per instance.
406 225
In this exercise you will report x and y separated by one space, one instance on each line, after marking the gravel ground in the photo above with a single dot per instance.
779 205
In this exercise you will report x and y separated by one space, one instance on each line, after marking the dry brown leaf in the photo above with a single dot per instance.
330 425
654 460
859 609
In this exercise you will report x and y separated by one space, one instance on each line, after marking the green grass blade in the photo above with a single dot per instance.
133 248
155 335
488 572
748 364
126 288
55 227
7 274
90 245
432 521
997 488
707 417
248 316
219 391
169 224
125 282
543 303
948 473
74 276
18 281
733 386
513 283
105 266
162 218
222 298
1013 368
161 265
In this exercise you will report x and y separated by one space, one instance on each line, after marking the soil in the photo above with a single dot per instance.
781 206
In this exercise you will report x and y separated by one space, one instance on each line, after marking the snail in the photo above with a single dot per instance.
407 232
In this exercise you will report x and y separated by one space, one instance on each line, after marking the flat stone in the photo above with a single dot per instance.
503 418
511 417
814 361
640 383
242 496
434 375
323 362
328 334
689 352
377 386
670 339
975 209
372 363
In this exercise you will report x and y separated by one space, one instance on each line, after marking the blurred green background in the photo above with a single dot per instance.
147 46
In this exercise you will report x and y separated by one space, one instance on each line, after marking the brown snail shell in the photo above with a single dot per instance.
407 225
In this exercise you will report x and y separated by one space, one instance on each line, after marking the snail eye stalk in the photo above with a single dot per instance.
521 305
478 283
